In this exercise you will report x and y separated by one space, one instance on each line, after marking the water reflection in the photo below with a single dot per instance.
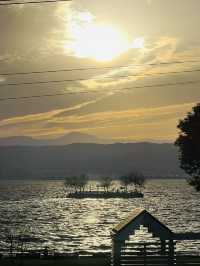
53 220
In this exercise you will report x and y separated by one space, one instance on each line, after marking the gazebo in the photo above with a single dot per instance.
160 252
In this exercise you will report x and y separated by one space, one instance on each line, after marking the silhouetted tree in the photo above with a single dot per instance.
189 145
76 183
10 239
71 183
82 181
22 239
138 180
17 240
106 182
125 181
135 179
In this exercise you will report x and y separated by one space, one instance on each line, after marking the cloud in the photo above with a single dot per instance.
139 115
46 35
42 116
141 123
156 50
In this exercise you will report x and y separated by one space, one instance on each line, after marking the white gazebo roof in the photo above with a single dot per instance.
141 217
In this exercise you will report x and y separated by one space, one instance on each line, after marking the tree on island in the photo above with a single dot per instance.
133 179
106 183
188 143
82 181
71 183
125 181
138 180
76 183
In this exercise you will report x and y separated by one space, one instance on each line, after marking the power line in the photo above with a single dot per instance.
9 2
40 96
87 92
85 79
98 68
164 84
6 1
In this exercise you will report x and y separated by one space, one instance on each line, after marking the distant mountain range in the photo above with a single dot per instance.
73 137
154 160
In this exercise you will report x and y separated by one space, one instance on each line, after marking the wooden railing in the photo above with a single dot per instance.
140 254
188 260
153 254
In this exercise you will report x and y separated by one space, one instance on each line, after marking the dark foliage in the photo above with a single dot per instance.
125 181
189 145
106 182
76 183
135 179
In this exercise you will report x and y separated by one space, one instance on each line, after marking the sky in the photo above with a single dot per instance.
127 44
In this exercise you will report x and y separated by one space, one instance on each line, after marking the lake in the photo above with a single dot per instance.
41 210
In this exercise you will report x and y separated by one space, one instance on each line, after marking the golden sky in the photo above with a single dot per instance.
121 103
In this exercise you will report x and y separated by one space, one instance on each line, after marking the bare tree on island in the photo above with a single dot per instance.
106 183
125 181
138 180
133 179
76 183
82 182
188 143
71 183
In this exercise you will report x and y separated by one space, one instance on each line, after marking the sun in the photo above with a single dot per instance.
98 41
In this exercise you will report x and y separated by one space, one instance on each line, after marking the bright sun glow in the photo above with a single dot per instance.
99 42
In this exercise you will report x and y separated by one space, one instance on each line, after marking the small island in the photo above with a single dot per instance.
131 186
105 195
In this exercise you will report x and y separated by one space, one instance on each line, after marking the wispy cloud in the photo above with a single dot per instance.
42 116
140 123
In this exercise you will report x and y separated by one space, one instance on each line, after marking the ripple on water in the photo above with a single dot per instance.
42 210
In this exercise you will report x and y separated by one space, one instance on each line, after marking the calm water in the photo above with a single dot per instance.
41 210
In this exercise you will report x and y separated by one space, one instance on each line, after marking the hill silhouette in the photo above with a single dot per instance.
157 160
72 137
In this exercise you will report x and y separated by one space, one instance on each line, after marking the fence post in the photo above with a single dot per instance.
116 252
171 252
163 247
145 254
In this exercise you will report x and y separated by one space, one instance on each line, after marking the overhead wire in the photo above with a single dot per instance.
99 67
97 91
10 2
108 77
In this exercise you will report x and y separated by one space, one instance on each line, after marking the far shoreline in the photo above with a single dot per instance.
92 179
